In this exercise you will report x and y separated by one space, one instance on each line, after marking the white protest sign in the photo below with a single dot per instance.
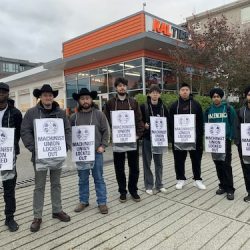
245 139
123 126
184 128
6 148
50 138
83 143
159 132
215 138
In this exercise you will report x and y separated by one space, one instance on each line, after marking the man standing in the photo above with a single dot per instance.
46 108
10 117
123 102
244 117
221 112
186 105
153 107
88 114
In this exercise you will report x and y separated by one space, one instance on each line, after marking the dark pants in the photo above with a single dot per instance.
179 162
9 197
224 170
245 169
133 163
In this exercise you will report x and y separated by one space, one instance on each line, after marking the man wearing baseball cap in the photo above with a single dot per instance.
10 117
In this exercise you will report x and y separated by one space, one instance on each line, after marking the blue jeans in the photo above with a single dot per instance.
100 186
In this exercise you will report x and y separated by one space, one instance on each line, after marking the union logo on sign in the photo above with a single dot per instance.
3 137
82 134
184 121
214 129
50 127
158 123
123 117
248 130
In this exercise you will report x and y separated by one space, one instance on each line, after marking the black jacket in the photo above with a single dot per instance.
243 116
158 110
12 118
183 107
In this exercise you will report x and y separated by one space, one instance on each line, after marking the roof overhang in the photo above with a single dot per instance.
144 41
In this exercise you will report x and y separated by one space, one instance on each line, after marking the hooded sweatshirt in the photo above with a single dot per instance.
158 110
222 113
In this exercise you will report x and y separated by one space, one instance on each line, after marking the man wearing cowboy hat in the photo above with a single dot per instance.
45 108
88 114
10 117
244 117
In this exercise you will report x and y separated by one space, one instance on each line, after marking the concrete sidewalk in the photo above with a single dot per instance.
181 219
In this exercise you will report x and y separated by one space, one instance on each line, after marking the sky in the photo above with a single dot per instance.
34 30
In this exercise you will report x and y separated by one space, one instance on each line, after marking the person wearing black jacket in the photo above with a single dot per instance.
153 107
243 115
186 105
10 117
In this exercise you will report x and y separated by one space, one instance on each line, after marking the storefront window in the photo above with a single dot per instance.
153 76
83 83
115 67
153 63
71 85
134 77
169 80
133 64
99 83
111 79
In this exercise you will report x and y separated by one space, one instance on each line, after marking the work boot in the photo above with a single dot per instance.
80 207
62 216
11 224
35 225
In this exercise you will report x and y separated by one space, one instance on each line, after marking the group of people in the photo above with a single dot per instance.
89 114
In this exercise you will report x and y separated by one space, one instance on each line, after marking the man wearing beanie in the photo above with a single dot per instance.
186 105
222 112
243 115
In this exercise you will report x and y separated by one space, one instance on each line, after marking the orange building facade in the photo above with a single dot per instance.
135 47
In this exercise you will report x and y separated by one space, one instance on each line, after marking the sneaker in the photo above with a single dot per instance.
136 197
163 190
123 198
80 207
180 184
230 196
199 184
103 209
12 225
220 191
149 191
247 198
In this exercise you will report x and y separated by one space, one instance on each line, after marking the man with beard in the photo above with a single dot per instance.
244 117
153 107
88 114
222 112
123 102
10 117
45 108
187 105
